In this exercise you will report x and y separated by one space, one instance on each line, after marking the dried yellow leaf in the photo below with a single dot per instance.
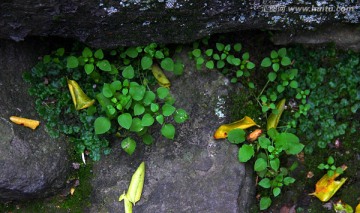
32 124
327 186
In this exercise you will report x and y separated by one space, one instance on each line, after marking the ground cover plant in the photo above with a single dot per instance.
128 102
321 89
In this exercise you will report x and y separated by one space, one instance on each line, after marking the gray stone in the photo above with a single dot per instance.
110 23
345 36
32 165
192 173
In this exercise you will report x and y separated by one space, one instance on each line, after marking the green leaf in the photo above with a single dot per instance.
149 97
251 85
139 109
246 152
146 62
209 64
147 120
162 92
160 119
104 65
89 68
275 67
245 56
264 142
167 109
266 62
260 165
168 131
125 120
99 54
280 88
275 164
294 84
237 61
106 91
131 52
216 57
220 64
147 139
136 125
60 51
237 47
265 203
289 142
274 54
180 116
167 64
285 61
178 68
209 52
200 61
116 85
276 191
128 145
137 92
265 183
288 180
154 107
72 62
236 136
282 52
330 160
220 47
87 53
272 76
128 72
250 65
159 54
196 53
102 125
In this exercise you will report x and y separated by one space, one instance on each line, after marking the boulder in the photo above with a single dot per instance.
110 23
193 172
32 165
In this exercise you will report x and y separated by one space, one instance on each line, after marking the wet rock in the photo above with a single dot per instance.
192 173
32 165
110 23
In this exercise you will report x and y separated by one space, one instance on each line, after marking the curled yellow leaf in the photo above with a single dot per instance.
327 186
134 192
160 76
224 129
80 99
32 124
274 119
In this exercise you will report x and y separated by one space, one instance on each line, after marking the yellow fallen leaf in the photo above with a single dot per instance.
32 124
133 194
80 99
274 119
357 210
224 129
327 186
72 190
160 76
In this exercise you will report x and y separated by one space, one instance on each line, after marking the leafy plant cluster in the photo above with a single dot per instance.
121 83
334 101
225 57
267 151
329 167
269 148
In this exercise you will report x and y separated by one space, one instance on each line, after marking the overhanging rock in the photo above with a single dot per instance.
111 23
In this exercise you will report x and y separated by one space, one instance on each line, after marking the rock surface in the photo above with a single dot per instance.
192 173
110 23
32 165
